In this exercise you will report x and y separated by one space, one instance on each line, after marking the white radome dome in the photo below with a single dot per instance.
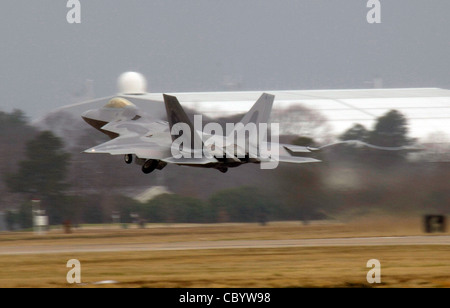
132 83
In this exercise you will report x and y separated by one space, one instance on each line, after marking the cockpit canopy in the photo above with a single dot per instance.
119 102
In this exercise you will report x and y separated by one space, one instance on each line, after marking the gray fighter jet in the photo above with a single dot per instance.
154 143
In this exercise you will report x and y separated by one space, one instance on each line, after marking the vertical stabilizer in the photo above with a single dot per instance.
249 132
260 112
177 116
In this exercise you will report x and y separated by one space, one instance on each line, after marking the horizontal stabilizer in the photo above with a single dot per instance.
359 143
296 149
297 160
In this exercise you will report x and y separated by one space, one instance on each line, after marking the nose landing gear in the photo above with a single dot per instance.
128 158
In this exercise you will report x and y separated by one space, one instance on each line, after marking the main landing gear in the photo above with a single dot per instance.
149 166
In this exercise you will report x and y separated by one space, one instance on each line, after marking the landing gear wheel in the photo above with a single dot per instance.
149 166
223 169
128 159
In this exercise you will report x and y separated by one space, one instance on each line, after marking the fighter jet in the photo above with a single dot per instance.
153 144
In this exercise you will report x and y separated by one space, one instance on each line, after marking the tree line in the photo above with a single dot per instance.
39 165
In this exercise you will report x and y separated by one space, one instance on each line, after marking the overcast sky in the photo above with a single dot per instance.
203 45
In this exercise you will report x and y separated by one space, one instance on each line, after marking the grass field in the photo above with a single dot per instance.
401 266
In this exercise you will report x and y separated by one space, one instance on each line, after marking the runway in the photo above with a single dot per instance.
231 244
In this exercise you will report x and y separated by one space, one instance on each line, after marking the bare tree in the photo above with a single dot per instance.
437 147
301 121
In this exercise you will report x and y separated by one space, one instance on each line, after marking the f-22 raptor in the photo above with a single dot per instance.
154 143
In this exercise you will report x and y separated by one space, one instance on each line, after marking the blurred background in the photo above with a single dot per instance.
47 63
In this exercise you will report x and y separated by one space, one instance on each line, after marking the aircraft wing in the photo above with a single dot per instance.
142 137
133 145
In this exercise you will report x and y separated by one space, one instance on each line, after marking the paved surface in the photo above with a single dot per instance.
233 244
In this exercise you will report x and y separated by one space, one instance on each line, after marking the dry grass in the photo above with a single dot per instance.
405 266
160 233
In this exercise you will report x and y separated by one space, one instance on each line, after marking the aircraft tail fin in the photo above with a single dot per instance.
177 115
258 114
